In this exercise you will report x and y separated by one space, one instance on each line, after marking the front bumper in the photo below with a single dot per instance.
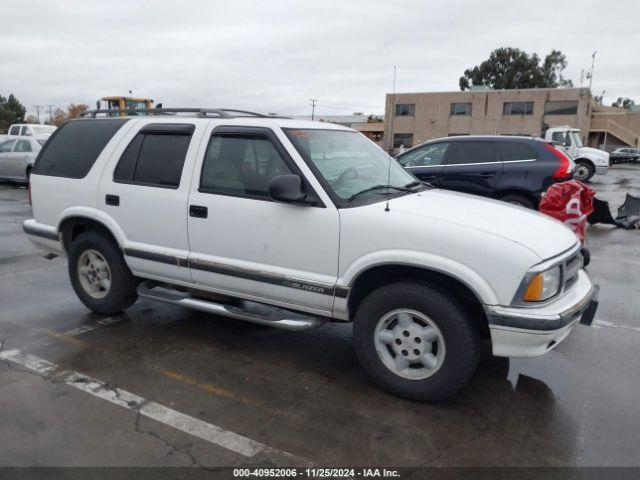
533 331
602 169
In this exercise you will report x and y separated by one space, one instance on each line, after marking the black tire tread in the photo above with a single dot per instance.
123 292
419 296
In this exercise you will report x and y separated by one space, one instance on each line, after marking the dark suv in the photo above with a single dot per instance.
513 169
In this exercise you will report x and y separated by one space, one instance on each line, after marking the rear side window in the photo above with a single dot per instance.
512 151
23 146
155 156
74 147
472 152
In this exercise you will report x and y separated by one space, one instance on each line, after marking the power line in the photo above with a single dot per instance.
38 107
313 101
50 112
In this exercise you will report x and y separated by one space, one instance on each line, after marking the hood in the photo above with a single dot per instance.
540 233
594 152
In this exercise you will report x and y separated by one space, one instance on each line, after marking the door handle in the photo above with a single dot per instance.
487 174
113 200
427 177
198 211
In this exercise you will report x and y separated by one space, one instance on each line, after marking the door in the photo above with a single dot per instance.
6 149
245 244
145 191
472 166
426 162
17 165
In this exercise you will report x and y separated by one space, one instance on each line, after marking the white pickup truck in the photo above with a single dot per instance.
588 161
37 131
294 224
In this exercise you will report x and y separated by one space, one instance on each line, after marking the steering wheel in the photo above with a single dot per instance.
349 172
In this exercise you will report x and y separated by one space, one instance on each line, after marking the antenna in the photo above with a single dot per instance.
393 106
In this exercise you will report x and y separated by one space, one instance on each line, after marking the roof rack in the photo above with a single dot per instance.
198 112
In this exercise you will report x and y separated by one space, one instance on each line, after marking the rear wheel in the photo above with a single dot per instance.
584 171
518 200
99 275
415 341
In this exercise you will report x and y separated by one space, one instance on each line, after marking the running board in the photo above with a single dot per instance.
244 310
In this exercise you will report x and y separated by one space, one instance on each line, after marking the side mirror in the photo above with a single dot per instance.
286 188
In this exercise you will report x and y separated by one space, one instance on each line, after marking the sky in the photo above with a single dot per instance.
274 56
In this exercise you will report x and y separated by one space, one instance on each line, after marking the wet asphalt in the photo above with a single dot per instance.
304 393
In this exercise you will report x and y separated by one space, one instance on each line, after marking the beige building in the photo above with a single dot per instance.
413 118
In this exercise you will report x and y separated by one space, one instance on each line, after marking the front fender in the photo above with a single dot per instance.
476 283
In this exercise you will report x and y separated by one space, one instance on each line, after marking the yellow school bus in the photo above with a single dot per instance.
122 103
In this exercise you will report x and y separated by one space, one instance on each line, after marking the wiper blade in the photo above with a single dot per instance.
378 187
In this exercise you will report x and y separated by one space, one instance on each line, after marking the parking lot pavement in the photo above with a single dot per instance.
161 385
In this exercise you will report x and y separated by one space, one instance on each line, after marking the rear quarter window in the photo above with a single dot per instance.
514 151
74 147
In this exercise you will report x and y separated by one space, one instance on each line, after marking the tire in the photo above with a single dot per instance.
91 252
455 354
584 171
518 200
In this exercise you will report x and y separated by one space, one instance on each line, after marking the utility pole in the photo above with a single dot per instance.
593 61
313 101
38 107
50 112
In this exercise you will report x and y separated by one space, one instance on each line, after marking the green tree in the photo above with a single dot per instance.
511 68
11 111
623 102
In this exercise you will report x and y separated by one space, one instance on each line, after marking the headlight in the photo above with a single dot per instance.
543 285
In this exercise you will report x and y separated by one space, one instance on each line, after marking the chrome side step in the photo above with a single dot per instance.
244 310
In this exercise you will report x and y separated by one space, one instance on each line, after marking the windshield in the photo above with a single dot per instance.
350 163
576 139
41 130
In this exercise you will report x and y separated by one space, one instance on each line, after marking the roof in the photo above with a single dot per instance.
241 120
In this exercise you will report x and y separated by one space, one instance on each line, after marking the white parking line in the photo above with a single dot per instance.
88 328
597 323
180 421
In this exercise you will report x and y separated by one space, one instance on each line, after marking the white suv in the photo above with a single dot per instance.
293 224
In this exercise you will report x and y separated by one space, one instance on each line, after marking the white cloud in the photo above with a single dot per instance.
272 56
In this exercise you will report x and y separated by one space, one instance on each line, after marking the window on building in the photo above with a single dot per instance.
241 165
561 107
155 157
460 108
517 108
405 109
402 140
472 152
513 151
74 147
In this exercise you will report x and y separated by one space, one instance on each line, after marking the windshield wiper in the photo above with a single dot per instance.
378 187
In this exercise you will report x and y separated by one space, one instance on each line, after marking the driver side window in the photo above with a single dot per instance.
427 156
242 165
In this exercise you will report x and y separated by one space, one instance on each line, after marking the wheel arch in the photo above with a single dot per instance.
378 275
74 225
528 194
586 160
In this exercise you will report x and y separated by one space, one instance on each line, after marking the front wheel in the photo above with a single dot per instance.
415 341
584 171
99 275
